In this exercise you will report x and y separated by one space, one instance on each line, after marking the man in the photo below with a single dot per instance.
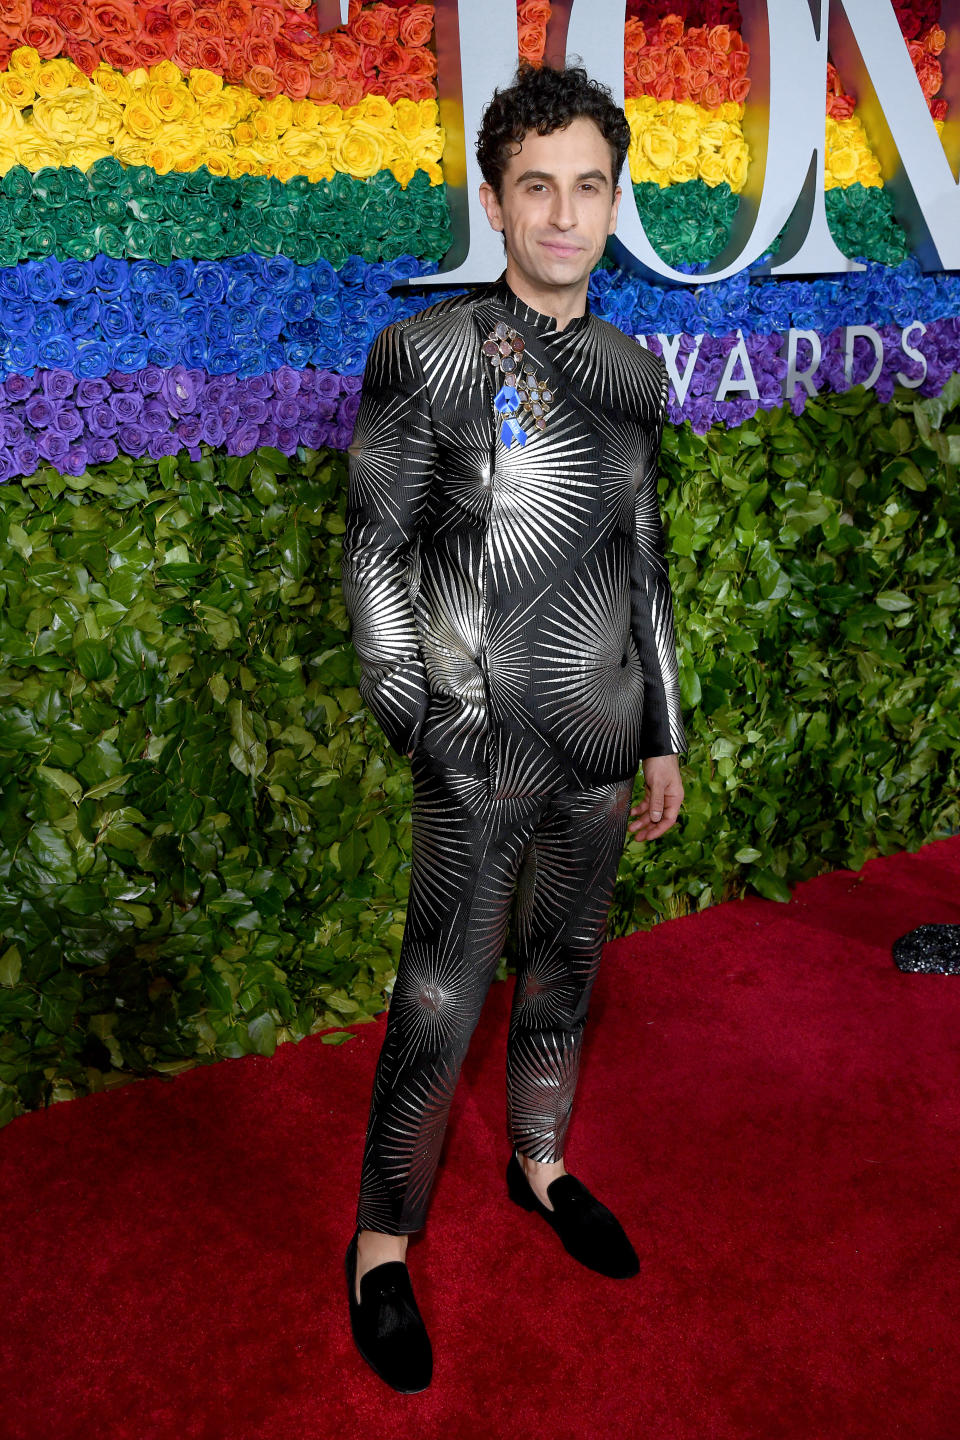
504 572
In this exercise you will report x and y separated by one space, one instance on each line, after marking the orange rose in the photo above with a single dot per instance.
840 107
321 61
698 79
294 79
634 35
536 10
713 93
71 16
416 24
346 53
266 21
377 25
16 13
393 59
195 52
233 69
699 57
681 89
421 63
347 92
648 68
261 80
206 23
531 39
408 87
719 38
112 20
720 64
259 53
662 88
678 65
935 39
119 55
180 14
157 24
670 31
739 61
739 89
82 53
235 15
44 35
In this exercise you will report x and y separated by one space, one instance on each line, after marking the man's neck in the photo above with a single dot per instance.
563 302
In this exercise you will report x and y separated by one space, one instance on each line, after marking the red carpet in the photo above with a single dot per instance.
769 1105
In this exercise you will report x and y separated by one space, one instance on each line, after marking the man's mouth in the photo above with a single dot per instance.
559 248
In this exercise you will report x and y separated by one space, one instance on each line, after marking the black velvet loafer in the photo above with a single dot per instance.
590 1232
387 1326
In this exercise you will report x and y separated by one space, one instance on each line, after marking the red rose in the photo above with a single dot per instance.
938 109
416 24
929 73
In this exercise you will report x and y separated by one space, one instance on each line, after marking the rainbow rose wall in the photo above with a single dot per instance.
207 213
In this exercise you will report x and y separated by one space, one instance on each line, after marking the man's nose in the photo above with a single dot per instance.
563 212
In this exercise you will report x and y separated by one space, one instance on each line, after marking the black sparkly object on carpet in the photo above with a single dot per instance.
933 949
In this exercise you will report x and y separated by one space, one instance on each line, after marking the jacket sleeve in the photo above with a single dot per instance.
651 604
390 473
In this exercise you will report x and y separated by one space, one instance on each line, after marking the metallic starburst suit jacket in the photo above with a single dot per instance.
510 602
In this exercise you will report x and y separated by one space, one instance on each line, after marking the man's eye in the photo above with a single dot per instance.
536 186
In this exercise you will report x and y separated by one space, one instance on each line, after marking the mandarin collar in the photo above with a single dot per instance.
544 325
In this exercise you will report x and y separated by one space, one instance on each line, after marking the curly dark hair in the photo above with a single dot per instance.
544 98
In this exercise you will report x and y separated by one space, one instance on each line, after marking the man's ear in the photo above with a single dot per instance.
490 203
618 192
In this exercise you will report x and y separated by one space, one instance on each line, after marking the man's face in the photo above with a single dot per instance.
558 205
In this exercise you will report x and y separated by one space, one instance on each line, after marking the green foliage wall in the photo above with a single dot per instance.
205 839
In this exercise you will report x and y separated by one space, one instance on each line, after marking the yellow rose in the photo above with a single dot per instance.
686 122
280 111
85 153
307 149
34 151
682 170
18 89
406 115
139 120
326 172
77 115
204 84
306 115
216 161
403 172
713 135
170 102
12 122
248 160
712 168
264 127
429 114
130 150
8 156
428 145
736 163
377 112
244 133
166 73
217 114
111 83
869 172
284 170
842 165
160 157
190 160
138 78
24 61
359 152
659 146
331 121
434 172
55 76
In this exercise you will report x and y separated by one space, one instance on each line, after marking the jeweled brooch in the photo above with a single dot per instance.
523 396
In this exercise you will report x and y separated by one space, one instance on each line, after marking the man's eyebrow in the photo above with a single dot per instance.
546 175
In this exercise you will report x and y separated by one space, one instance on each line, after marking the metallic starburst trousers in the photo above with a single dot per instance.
554 857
